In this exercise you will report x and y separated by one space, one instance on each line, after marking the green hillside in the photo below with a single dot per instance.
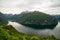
7 32
3 19
38 19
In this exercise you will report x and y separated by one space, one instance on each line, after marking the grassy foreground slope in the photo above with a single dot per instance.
7 32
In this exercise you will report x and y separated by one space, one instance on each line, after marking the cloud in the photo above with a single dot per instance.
11 10
55 3
16 6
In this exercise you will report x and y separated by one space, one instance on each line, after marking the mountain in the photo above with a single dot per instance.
15 17
7 32
57 17
9 17
3 19
37 20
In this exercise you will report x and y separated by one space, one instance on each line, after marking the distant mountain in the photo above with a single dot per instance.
9 17
15 18
3 19
57 17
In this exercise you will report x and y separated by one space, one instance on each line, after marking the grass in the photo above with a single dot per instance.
7 32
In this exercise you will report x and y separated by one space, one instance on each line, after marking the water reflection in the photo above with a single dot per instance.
56 31
44 32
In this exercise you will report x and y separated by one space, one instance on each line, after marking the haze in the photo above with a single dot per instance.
17 6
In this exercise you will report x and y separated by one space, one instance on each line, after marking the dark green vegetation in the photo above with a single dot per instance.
3 19
7 32
37 20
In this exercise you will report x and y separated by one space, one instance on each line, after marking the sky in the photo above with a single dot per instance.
18 6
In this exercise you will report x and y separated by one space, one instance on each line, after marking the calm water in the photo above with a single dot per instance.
44 32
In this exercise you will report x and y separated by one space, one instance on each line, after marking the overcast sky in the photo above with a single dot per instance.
17 6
